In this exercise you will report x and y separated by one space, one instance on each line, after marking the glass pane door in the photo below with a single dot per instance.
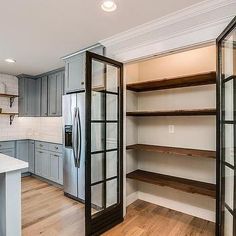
104 168
226 131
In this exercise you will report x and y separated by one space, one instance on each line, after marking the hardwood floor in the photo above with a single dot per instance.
47 212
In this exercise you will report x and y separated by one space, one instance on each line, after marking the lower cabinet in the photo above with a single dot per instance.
8 148
31 153
22 152
48 164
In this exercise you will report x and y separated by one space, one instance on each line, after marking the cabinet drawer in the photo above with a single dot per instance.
55 147
41 145
8 144
9 152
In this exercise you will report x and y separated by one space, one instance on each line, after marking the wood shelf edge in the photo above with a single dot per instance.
185 185
173 150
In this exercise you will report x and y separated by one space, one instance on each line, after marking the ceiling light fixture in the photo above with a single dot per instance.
9 60
108 5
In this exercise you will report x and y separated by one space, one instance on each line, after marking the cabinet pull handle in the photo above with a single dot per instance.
55 155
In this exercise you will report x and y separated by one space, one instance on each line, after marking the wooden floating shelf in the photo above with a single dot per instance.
10 96
183 81
196 112
173 150
186 185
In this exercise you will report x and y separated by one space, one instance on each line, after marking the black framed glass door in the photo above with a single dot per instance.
226 132
104 144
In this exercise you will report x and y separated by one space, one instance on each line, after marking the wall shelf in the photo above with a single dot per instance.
178 82
173 150
10 96
194 112
186 185
10 114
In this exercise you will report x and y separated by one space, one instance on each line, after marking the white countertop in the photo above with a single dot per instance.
11 164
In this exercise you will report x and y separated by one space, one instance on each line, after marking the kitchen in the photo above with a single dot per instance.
117 130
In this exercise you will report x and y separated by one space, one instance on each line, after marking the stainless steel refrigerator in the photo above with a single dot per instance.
74 145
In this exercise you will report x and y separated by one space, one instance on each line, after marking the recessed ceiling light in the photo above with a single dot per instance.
10 60
108 5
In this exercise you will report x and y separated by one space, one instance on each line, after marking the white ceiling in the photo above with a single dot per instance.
37 33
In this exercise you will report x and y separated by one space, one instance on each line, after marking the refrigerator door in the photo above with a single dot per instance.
70 171
81 145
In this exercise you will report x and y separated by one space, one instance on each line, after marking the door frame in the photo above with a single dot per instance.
219 229
112 215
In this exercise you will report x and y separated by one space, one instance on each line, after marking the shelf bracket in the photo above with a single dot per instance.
11 119
11 101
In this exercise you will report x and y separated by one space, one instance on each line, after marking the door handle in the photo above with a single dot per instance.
74 136
79 137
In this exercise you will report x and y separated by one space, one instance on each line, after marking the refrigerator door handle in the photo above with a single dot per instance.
74 136
79 137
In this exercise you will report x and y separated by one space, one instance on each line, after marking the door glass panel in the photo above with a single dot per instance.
97 106
228 223
111 164
112 193
229 100
112 107
97 167
111 136
229 143
97 198
228 55
112 81
97 137
229 187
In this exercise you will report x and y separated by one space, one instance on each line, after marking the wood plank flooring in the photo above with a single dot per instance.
47 212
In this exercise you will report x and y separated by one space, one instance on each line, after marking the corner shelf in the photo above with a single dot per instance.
173 150
10 114
194 112
178 82
186 185
10 96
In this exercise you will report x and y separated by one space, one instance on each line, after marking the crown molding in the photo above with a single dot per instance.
211 15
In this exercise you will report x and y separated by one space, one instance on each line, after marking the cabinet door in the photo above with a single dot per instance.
55 90
9 152
22 152
31 156
45 164
75 73
38 162
23 95
31 97
44 96
38 97
56 168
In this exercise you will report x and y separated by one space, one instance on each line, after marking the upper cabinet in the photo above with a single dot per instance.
27 97
75 70
55 91
42 95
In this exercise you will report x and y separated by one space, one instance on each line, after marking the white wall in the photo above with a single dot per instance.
39 128
190 132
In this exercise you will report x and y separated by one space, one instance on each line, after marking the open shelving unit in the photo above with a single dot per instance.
183 81
173 150
186 185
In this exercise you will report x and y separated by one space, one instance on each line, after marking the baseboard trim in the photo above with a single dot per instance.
131 198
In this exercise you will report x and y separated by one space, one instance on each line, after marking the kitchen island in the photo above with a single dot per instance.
10 195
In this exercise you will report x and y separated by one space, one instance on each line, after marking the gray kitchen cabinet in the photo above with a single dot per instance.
55 92
22 152
44 96
8 148
49 161
38 97
31 149
75 70
26 100
42 163
56 168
